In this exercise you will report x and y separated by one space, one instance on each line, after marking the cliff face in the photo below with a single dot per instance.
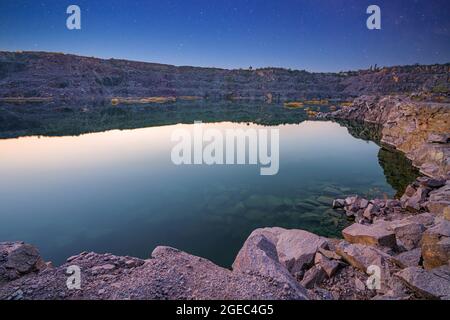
61 76
419 129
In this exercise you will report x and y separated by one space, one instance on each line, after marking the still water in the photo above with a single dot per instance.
119 192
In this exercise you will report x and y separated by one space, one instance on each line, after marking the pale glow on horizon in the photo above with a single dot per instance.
39 152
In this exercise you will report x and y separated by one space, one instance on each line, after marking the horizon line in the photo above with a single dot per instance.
218 68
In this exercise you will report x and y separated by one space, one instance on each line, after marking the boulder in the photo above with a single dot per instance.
409 192
438 138
436 245
350 200
427 284
362 256
374 235
363 203
354 204
430 182
409 258
338 203
313 277
408 233
297 248
439 200
370 211
329 266
329 254
415 202
446 213
426 219
259 255
18 259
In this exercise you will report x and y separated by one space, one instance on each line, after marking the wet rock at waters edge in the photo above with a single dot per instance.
338 203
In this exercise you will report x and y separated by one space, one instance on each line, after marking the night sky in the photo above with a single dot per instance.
316 35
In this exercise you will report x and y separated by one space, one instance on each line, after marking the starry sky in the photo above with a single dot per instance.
316 35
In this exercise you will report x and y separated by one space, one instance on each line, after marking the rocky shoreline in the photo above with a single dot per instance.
406 240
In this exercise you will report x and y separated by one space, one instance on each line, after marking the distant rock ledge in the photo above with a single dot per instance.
418 129
406 239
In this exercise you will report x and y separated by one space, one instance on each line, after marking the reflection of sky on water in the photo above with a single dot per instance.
119 192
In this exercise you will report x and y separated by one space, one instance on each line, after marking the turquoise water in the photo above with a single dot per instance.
119 192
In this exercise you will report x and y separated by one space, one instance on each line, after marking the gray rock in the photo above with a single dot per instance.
414 203
362 256
18 259
371 210
329 266
329 254
436 245
408 233
259 255
429 285
313 277
430 182
338 203
439 200
438 138
297 248
410 258
374 235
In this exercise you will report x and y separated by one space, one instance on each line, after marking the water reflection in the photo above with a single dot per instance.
119 192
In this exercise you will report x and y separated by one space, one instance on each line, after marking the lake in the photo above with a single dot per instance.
118 191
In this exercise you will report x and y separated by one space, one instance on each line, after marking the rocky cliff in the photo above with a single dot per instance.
419 129
69 77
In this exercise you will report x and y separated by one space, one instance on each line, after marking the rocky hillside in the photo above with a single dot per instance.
63 76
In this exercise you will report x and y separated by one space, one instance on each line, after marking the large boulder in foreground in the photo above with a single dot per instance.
18 259
436 245
427 284
293 249
259 256
373 235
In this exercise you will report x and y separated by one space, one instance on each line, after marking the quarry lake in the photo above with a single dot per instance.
118 191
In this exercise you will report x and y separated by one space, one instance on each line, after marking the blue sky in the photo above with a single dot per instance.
316 35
